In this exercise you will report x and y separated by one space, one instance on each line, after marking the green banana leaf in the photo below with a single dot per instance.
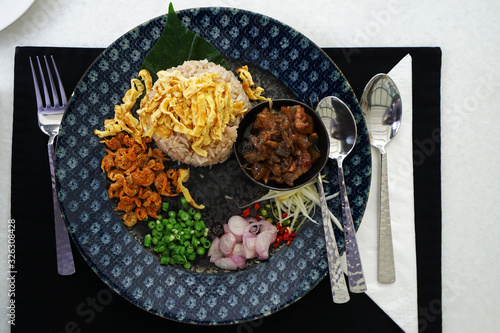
178 44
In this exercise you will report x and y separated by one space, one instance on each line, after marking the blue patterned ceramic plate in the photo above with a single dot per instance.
286 64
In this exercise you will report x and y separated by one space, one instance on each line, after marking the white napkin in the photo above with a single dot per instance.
397 300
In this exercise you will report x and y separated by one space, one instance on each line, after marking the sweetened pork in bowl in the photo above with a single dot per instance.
282 147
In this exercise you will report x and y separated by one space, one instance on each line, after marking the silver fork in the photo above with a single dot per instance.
50 115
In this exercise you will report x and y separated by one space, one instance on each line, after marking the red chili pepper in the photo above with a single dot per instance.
246 212
284 215
293 234
256 206
288 242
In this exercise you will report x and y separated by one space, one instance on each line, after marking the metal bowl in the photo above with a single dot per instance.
243 141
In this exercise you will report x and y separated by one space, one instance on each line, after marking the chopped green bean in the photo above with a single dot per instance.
165 260
205 242
168 238
147 240
184 202
178 236
184 216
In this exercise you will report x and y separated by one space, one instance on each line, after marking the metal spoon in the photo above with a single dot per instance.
337 279
338 285
341 125
381 105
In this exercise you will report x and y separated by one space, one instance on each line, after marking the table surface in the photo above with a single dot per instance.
467 34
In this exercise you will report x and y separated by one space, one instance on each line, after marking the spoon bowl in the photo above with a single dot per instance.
341 126
381 105
382 108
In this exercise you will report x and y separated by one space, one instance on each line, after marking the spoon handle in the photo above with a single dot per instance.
357 283
386 268
337 279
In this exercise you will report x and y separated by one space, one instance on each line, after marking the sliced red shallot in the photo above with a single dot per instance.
237 225
226 263
243 239
267 226
262 243
260 226
248 245
238 260
216 256
214 252
227 243
238 249
214 247
251 219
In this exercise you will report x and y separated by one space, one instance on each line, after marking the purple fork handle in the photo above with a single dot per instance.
65 264
357 283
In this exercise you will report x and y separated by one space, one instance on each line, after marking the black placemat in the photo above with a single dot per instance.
47 302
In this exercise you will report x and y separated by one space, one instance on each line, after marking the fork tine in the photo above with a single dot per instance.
39 102
55 98
44 85
59 81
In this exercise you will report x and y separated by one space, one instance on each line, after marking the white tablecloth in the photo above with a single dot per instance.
466 31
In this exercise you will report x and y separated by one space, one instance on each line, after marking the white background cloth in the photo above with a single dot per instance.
467 32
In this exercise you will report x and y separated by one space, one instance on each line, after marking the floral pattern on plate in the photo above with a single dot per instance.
116 253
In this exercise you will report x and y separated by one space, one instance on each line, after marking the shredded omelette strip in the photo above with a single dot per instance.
248 84
124 120
200 107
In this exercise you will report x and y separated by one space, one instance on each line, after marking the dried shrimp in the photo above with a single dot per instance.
138 177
